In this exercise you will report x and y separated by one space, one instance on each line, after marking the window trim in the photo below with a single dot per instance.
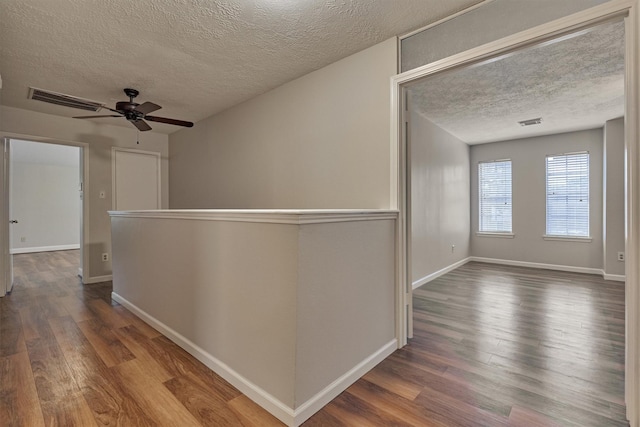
504 235
581 239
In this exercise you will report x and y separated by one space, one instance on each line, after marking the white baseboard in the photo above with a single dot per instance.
271 404
540 265
80 272
97 279
569 268
426 279
614 277
44 249
313 405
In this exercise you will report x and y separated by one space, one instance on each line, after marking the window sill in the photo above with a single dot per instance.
498 235
568 238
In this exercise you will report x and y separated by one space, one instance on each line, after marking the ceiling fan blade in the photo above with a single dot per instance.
93 117
169 121
147 107
111 109
141 125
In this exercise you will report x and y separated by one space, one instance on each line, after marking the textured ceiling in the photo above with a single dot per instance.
573 84
193 57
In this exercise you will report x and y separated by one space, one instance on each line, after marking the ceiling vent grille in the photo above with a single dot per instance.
64 100
531 122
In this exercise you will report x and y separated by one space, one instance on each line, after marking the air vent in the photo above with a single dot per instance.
531 122
64 100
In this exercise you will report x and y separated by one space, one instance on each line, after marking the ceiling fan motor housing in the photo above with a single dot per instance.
129 107
126 106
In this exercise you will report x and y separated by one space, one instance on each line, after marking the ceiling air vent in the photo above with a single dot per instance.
64 100
531 122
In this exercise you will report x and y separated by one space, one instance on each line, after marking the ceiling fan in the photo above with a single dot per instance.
137 113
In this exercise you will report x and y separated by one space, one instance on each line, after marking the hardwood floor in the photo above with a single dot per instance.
498 345
69 356
493 346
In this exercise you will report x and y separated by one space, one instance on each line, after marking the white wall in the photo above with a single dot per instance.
440 197
45 196
321 141
529 201
345 297
100 138
614 210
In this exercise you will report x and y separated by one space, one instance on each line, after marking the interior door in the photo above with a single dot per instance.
136 179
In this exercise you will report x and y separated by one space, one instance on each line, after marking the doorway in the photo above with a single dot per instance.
44 209
492 53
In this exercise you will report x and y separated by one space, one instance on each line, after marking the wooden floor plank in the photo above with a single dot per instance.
139 344
133 320
34 322
252 415
522 417
107 315
463 407
110 401
386 400
19 404
75 307
356 411
106 344
12 339
72 411
60 398
394 383
197 398
179 362
154 398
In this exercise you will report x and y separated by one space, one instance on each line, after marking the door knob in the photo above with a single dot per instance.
13 221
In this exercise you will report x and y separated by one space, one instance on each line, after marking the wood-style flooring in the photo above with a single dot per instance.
493 346
69 356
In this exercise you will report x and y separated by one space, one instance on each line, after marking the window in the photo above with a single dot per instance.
494 179
568 195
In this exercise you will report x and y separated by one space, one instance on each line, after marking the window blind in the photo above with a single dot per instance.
494 179
568 195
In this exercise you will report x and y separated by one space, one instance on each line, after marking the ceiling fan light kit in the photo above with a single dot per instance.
136 113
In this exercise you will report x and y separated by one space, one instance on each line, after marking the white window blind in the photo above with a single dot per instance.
568 195
494 179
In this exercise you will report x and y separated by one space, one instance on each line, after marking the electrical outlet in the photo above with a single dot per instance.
620 256
23 239
105 257
103 194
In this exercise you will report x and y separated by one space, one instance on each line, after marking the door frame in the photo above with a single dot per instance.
5 217
400 181
84 271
